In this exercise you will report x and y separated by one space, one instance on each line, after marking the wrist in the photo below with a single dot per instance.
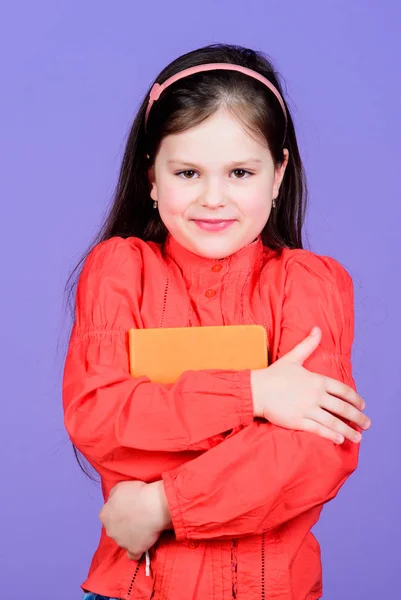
255 390
159 501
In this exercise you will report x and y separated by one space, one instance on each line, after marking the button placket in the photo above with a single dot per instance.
211 292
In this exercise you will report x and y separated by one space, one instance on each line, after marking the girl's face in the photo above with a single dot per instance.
214 185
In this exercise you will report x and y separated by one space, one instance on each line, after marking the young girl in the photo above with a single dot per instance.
213 484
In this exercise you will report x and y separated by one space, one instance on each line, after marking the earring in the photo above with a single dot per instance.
274 203
155 204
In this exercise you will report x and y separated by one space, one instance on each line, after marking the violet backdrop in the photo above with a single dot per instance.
73 75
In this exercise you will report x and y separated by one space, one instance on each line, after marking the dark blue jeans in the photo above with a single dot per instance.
90 596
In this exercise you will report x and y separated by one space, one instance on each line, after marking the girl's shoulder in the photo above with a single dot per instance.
301 263
116 253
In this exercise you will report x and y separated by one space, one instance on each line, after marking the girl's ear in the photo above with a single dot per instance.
153 192
279 173
152 183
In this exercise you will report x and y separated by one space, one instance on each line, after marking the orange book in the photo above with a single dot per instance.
164 354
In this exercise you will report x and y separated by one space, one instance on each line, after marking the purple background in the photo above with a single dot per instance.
73 75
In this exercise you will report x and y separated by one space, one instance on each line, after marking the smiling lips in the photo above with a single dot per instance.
213 224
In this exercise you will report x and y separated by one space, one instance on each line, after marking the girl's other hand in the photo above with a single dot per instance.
135 515
288 395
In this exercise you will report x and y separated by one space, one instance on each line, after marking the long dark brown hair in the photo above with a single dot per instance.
185 104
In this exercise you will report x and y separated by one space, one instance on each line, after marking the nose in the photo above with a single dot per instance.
213 194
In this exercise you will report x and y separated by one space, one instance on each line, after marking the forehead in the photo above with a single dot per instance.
221 137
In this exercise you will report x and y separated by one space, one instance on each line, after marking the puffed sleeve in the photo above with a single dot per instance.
265 475
106 409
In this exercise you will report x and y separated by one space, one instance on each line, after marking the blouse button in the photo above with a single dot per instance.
210 293
192 544
217 268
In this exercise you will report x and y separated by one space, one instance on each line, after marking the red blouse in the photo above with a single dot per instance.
243 494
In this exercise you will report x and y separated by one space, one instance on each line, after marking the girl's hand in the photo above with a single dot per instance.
287 394
135 515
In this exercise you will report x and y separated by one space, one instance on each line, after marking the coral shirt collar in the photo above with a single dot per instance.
244 259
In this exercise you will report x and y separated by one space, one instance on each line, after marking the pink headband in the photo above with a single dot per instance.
158 88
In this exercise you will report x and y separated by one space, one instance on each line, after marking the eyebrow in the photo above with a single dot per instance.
254 161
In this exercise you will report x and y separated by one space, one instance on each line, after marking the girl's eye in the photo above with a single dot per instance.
188 174
241 171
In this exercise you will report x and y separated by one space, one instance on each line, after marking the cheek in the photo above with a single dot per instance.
173 200
256 206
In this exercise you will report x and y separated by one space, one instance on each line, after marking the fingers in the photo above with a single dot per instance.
325 432
102 514
344 392
304 349
345 410
338 429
